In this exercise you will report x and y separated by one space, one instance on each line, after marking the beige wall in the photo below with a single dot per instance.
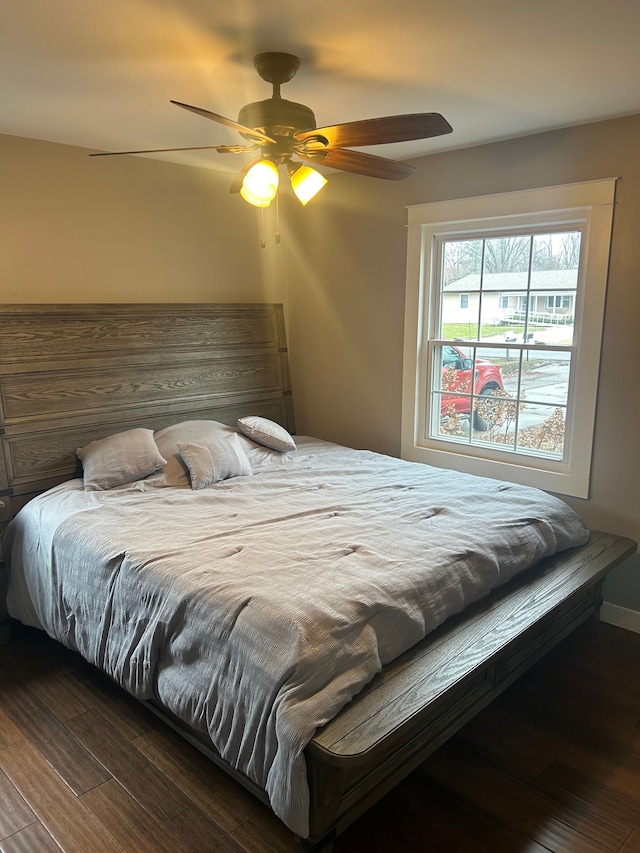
125 229
76 229
346 309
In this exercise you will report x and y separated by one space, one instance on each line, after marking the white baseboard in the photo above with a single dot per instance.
620 616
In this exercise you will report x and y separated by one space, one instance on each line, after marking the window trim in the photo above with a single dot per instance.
591 202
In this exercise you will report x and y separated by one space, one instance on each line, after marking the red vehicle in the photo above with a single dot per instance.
456 377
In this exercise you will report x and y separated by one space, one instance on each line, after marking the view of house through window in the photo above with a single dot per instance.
503 321
521 299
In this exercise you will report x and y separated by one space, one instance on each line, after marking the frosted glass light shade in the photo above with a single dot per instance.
260 184
254 200
307 183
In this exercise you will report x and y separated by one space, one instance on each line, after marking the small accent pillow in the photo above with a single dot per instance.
266 432
175 472
118 459
212 461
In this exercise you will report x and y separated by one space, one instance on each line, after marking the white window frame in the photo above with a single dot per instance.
588 205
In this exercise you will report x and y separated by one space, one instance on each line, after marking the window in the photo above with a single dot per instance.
464 300
508 391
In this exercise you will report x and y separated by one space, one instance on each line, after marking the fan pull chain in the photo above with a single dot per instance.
263 242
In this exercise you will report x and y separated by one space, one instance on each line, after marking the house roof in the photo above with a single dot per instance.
507 281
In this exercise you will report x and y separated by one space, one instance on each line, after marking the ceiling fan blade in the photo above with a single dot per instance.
236 185
235 149
227 122
223 149
379 131
360 163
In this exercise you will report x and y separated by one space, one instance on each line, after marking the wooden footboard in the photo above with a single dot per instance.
424 697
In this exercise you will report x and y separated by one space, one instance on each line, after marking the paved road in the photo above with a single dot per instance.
544 388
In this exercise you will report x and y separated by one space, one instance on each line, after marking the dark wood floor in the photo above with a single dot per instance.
553 764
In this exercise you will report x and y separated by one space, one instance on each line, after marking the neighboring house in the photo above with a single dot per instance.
551 295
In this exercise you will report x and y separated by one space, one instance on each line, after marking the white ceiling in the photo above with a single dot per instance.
100 73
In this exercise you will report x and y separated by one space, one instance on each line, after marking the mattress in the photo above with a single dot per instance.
255 609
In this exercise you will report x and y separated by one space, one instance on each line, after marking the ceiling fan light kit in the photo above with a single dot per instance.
286 133
260 184
306 182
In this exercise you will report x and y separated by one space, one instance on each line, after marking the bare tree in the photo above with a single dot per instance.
567 255
507 254
511 254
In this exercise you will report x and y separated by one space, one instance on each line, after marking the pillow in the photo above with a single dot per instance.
175 472
118 459
266 432
212 461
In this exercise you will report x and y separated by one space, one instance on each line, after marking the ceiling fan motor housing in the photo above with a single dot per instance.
277 117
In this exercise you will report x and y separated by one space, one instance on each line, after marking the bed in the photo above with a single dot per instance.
279 616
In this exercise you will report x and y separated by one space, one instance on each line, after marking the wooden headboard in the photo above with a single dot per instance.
72 373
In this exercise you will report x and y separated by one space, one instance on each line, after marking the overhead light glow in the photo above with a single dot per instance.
306 183
254 200
260 184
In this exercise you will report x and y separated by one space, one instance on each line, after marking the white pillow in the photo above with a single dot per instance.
266 432
212 461
175 472
118 459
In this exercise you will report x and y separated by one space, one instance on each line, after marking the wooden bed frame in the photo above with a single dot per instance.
73 373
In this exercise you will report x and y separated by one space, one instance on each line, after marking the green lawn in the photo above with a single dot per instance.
467 331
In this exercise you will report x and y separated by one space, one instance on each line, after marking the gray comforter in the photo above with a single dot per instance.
255 609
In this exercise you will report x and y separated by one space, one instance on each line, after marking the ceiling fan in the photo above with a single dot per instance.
284 130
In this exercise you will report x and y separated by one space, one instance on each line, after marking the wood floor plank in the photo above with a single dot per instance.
57 690
47 667
548 702
552 765
598 742
632 844
158 795
9 732
595 754
32 839
509 841
603 689
15 814
130 719
562 825
56 806
509 740
263 834
432 830
127 822
601 723
219 796
70 686
40 727
599 647
594 792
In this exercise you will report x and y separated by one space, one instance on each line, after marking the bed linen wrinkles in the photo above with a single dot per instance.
256 609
